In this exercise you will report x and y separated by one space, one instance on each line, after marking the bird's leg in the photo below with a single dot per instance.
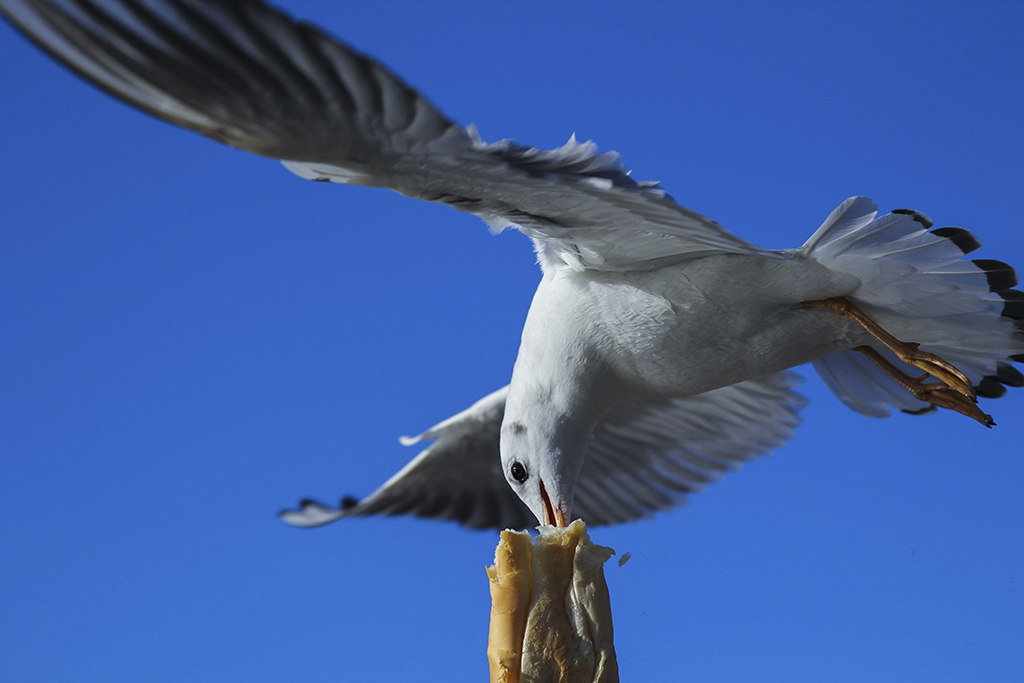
907 352
953 390
937 393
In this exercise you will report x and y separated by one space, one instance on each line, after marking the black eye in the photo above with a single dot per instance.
518 472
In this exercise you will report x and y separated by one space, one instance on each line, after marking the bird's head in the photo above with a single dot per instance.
541 472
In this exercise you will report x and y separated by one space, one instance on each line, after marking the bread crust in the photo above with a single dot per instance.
550 609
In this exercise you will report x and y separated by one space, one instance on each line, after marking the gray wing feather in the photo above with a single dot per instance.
457 477
249 76
243 74
864 387
645 456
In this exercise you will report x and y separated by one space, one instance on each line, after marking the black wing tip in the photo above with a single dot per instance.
1009 375
994 386
346 503
917 216
963 239
1013 306
311 513
990 387
927 410
281 514
1001 275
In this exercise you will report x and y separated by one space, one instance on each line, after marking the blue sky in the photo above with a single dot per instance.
191 338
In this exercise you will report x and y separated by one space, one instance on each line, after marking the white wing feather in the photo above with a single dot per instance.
249 76
645 456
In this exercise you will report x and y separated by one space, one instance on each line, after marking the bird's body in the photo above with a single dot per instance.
684 329
593 340
654 354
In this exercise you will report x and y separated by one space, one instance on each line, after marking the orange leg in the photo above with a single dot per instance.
953 390
937 393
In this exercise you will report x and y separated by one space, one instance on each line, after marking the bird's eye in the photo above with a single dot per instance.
518 472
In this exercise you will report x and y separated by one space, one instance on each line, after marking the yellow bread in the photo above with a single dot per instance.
550 609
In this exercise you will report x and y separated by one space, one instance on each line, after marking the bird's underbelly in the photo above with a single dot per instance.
709 323
708 349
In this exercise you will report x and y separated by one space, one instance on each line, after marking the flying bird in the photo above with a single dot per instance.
655 355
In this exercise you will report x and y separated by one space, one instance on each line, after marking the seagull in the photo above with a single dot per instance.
656 353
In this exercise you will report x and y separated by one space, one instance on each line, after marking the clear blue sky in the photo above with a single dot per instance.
191 338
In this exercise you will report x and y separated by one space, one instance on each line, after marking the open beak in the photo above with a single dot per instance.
553 515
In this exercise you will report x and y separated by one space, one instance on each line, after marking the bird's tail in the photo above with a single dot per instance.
916 284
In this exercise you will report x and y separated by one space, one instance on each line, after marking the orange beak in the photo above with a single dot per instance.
553 516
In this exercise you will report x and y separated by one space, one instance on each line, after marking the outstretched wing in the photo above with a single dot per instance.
645 456
457 477
249 76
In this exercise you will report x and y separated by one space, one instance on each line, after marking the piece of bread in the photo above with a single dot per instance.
551 616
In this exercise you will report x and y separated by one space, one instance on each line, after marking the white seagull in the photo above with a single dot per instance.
654 355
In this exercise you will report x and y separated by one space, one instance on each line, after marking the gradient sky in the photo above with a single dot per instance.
191 338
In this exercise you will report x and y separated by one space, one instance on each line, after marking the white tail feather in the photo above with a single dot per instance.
917 285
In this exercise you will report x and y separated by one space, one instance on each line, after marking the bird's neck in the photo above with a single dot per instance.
561 386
